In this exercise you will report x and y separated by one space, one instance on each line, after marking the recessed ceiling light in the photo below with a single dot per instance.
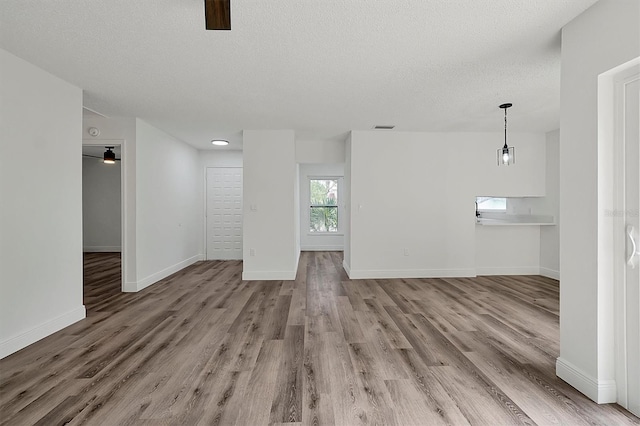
219 142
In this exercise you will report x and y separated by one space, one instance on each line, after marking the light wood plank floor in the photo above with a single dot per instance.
205 347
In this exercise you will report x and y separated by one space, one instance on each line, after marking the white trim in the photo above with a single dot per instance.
297 262
601 392
508 270
268 275
339 247
102 249
130 287
346 267
154 278
410 273
204 213
550 273
14 344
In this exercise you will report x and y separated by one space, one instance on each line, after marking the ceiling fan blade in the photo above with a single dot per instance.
99 158
217 14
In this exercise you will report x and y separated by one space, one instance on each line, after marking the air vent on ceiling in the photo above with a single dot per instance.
383 127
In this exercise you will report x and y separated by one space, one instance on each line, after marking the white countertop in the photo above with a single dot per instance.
516 220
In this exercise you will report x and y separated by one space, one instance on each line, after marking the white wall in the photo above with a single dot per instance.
219 158
603 37
101 206
270 207
310 241
40 204
409 194
169 207
508 250
320 151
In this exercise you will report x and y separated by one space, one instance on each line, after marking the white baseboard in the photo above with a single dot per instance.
600 391
268 275
409 273
296 266
130 287
346 267
550 273
102 249
509 270
154 278
323 248
14 344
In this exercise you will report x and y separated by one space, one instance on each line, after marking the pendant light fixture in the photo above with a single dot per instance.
109 156
506 154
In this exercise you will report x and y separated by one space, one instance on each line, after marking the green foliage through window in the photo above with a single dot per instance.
323 210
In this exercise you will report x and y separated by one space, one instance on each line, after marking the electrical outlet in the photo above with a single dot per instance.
406 252
252 252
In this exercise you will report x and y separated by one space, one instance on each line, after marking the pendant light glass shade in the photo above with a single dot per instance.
506 154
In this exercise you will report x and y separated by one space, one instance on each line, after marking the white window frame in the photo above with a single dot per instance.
340 204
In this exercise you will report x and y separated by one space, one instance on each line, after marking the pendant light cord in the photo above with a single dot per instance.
505 128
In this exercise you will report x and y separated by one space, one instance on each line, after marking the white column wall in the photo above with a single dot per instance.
40 204
270 207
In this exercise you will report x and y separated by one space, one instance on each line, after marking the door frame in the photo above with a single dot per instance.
124 225
611 87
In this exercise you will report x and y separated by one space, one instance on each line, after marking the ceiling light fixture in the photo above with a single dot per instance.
506 154
109 156
219 142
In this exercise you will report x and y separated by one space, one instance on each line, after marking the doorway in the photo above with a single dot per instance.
625 125
224 213
103 221
630 90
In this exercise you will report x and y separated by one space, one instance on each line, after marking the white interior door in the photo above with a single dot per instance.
631 127
224 213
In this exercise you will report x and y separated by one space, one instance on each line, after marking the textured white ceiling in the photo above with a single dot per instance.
320 67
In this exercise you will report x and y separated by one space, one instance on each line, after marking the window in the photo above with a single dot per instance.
491 203
323 209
